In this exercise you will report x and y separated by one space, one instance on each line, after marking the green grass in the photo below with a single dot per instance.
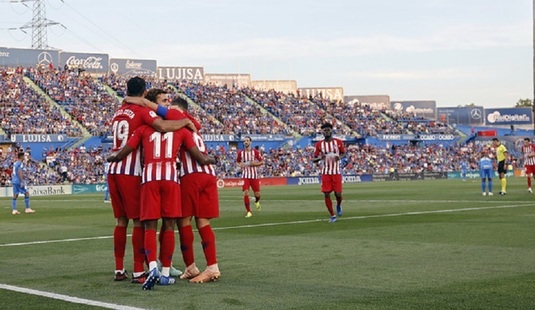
400 245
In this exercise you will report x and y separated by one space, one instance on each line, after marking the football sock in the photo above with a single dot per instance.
483 186
529 181
504 184
14 204
167 248
138 246
186 244
490 186
150 246
339 200
329 205
208 244
27 201
247 203
256 199
119 245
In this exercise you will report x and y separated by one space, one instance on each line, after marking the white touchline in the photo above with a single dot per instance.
289 223
67 298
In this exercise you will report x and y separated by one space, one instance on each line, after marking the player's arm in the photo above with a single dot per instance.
168 125
259 161
121 154
239 160
200 157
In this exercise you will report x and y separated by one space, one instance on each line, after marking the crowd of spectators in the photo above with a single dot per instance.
223 110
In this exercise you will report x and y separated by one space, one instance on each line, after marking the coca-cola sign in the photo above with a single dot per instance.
93 63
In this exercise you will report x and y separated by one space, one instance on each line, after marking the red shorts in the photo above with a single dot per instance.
124 193
199 195
253 183
331 182
530 169
160 199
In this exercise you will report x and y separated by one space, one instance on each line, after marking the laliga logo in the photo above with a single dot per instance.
44 58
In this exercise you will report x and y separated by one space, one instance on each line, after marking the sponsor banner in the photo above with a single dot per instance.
510 116
285 86
355 178
133 67
476 175
218 138
265 137
331 93
396 137
409 176
238 182
376 102
92 63
89 188
14 57
230 79
34 138
436 137
461 116
45 190
426 109
195 74
304 180
344 138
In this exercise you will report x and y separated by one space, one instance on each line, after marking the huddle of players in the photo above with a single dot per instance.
148 134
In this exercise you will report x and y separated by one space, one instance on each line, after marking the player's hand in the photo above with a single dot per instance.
191 126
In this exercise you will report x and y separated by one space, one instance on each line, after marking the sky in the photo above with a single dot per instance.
455 52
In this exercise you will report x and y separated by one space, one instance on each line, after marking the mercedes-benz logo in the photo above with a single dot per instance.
475 113
44 58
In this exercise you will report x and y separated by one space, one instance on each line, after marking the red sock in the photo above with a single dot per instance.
167 247
247 203
208 244
160 240
329 205
186 244
150 245
138 246
119 246
529 182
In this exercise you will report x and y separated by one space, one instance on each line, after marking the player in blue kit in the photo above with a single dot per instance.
19 185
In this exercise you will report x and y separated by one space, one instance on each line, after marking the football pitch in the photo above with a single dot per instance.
399 245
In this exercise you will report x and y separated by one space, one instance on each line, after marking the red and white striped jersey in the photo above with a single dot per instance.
526 151
248 156
331 150
160 150
188 164
125 121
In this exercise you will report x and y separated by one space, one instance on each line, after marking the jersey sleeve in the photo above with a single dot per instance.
148 116
239 159
188 142
317 150
135 139
341 146
257 155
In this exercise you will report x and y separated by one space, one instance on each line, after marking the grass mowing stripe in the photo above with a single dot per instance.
71 299
289 223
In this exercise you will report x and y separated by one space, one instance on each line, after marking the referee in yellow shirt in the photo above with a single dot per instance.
501 156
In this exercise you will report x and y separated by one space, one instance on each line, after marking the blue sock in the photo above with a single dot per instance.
483 185
14 204
490 186
27 201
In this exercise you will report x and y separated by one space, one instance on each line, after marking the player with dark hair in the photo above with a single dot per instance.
160 192
528 152
19 185
249 159
330 150
124 178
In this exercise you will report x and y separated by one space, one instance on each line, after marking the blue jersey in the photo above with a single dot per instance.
17 166
485 167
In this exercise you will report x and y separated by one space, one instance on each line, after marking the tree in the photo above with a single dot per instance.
524 103
471 105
